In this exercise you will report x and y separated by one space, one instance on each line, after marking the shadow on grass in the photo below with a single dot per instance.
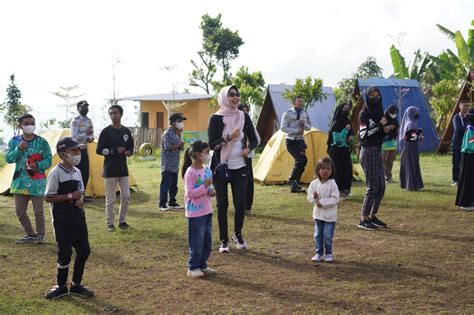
351 270
281 219
96 306
280 293
434 236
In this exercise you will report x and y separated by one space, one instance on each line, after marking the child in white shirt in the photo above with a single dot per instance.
324 195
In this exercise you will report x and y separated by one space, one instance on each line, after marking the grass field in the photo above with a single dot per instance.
422 264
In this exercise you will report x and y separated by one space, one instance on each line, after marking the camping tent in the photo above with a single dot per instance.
275 163
320 113
402 93
96 185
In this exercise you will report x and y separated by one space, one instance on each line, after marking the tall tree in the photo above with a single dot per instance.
12 108
251 86
368 69
310 90
65 93
220 46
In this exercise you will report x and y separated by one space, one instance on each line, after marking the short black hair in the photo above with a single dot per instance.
24 116
295 97
325 161
464 102
118 107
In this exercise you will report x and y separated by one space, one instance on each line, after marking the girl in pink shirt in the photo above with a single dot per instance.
197 198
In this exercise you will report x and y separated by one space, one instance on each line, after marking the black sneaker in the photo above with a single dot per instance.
174 206
239 241
378 223
57 292
224 248
79 289
366 225
111 228
26 239
124 226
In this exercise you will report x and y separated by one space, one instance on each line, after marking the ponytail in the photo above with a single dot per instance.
190 153
187 161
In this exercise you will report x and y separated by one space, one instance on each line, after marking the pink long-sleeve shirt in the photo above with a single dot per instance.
197 197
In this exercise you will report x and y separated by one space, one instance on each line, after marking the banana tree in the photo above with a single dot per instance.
465 48
415 69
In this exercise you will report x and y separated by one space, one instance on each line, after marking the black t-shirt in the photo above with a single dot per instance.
371 131
110 139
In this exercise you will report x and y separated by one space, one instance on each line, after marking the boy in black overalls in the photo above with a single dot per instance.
65 190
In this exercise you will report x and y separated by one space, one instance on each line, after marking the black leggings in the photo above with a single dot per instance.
84 167
343 171
238 184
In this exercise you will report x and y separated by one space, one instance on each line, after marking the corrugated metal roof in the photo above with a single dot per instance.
412 95
320 114
169 97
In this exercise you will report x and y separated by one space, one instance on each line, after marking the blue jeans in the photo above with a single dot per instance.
199 241
323 234
169 184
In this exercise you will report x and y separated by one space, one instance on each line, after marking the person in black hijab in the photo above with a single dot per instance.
389 146
339 148
372 130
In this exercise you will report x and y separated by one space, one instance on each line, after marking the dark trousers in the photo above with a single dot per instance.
169 185
456 164
297 149
372 163
84 167
238 184
250 188
67 239
199 241
343 171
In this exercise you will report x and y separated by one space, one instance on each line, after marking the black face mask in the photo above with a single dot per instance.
83 112
374 101
416 116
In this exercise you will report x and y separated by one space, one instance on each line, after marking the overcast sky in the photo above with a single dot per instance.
48 44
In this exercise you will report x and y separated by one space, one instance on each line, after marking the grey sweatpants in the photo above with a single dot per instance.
372 163
21 206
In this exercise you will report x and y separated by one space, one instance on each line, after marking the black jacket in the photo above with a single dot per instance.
214 133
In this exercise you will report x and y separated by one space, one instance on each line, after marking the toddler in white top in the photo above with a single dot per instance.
324 195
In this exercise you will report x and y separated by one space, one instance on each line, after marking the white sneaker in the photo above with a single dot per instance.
209 271
224 248
329 258
164 208
317 257
471 208
454 183
196 273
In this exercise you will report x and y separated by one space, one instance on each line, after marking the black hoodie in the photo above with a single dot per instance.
371 131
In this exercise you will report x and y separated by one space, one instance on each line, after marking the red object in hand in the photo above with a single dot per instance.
32 159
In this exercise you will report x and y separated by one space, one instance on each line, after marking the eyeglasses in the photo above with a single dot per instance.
234 94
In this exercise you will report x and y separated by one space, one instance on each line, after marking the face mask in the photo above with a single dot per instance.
84 112
30 129
374 101
179 125
416 116
206 158
73 159
298 110
393 116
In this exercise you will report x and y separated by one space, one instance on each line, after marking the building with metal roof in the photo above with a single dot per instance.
320 113
402 93
155 109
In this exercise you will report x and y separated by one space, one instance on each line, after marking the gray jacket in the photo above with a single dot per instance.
290 125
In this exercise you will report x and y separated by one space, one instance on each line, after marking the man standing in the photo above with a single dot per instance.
32 156
116 144
171 146
294 123
82 131
460 123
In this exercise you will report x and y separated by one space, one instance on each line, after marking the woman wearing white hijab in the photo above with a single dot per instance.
229 131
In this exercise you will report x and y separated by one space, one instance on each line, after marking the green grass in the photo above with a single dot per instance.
422 264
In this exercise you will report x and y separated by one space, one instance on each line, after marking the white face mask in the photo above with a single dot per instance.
73 159
30 129
179 125
206 158
393 116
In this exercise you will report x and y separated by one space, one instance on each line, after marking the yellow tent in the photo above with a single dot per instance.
96 185
275 163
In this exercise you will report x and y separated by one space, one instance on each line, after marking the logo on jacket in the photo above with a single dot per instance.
125 138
